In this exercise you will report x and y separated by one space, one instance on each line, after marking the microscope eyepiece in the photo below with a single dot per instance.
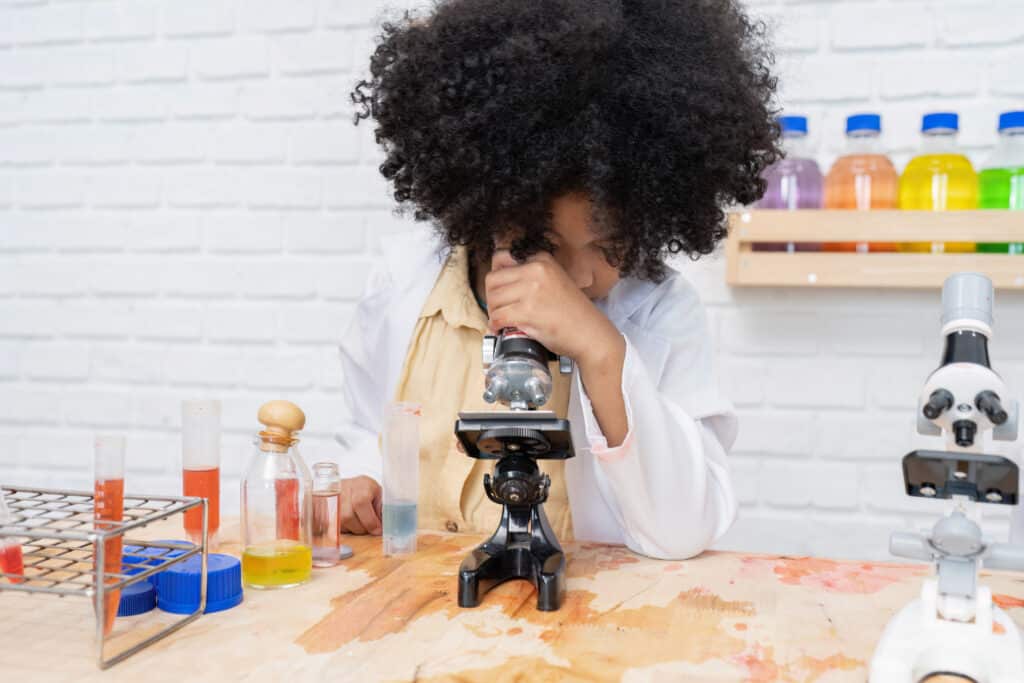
988 402
964 431
939 402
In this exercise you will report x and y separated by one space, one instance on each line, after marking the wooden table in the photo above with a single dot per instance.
720 617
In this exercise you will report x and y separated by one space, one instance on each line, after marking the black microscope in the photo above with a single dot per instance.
524 546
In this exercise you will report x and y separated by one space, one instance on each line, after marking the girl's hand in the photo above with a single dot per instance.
361 501
540 298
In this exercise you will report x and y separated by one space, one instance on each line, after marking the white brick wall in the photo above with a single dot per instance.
186 212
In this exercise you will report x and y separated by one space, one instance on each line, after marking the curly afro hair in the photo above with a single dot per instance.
659 111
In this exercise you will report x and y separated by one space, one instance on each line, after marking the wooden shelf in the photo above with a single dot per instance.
748 268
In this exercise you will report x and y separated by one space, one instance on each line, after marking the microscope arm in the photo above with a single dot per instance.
1004 556
912 546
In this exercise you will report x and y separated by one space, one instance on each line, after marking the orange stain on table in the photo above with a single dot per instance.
834 576
691 628
762 667
1007 601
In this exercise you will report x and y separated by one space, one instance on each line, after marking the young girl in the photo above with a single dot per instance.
562 149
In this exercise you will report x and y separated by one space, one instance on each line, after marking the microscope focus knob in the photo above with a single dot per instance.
939 402
988 402
489 346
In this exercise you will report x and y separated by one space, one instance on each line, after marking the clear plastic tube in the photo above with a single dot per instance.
200 456
12 561
401 451
108 505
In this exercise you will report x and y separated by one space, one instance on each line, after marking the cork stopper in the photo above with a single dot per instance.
283 420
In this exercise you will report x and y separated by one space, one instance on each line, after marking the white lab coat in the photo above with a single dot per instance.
665 492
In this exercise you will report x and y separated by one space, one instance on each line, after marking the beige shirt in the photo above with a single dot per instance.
443 373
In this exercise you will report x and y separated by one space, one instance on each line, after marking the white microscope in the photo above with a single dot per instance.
953 628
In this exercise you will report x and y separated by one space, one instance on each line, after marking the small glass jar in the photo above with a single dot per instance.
327 547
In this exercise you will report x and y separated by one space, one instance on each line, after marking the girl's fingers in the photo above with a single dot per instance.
364 509
502 259
349 522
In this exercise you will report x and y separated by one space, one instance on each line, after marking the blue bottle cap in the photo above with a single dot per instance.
138 598
177 587
157 556
793 124
1011 119
943 119
863 122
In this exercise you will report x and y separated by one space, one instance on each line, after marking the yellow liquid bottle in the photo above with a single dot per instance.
277 504
939 179
277 565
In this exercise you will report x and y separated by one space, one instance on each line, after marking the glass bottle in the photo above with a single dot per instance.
793 182
277 506
939 178
327 547
863 178
1001 182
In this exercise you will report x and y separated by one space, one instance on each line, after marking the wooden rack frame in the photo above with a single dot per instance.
749 268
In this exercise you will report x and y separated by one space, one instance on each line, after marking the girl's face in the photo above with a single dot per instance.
578 250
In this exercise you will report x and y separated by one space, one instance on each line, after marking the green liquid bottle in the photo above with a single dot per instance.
1001 182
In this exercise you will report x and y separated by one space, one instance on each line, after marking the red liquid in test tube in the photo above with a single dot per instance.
11 559
200 441
108 505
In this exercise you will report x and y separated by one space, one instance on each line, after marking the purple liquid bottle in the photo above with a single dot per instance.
794 182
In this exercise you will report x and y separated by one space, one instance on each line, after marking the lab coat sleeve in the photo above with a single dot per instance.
668 483
362 386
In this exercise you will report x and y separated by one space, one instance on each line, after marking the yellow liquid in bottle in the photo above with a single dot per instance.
277 565
939 182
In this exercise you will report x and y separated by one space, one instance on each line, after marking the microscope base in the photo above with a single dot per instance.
917 643
514 552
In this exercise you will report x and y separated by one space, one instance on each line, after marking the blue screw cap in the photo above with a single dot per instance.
1011 119
944 119
177 587
138 598
863 122
793 124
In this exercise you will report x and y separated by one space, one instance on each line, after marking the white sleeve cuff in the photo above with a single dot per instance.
595 437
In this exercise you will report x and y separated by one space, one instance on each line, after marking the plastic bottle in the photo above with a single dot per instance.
940 178
794 182
863 178
1001 183
277 506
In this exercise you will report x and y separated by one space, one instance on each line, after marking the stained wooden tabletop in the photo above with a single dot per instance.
719 617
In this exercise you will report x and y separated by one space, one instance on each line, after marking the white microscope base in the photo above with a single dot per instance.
916 644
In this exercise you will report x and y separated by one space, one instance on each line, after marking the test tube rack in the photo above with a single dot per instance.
62 548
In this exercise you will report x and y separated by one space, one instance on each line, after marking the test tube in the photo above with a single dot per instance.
108 506
327 547
401 446
12 562
200 457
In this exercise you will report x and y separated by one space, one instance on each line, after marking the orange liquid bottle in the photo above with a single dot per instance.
200 441
862 179
108 506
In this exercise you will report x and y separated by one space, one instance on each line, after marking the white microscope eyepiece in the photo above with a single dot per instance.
967 303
